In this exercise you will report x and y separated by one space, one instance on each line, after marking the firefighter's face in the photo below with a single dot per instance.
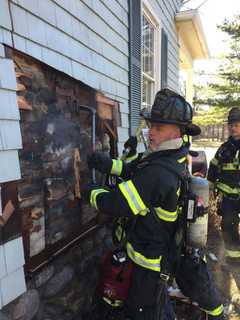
160 132
234 129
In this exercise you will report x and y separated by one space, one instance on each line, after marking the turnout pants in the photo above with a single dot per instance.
195 282
142 302
230 210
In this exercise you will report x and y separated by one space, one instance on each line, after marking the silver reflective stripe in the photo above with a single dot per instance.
138 258
133 198
129 159
166 215
214 162
225 188
232 253
215 312
116 167
93 197
230 166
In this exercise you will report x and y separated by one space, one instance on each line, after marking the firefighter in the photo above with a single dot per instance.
149 195
224 175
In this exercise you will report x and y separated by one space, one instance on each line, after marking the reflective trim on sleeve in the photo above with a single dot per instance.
113 303
129 159
226 189
138 258
215 312
120 233
166 215
178 192
117 166
214 161
93 197
181 160
232 253
133 198
230 166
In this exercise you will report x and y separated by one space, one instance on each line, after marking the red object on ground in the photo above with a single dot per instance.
115 278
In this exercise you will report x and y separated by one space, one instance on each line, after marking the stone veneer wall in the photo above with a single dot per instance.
64 288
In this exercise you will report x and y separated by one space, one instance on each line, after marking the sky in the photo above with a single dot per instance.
213 12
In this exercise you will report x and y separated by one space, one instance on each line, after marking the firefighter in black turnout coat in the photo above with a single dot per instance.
224 174
149 194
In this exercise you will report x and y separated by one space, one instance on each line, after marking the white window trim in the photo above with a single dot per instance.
149 13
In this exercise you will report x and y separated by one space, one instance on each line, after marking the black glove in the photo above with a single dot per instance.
86 192
100 162
131 145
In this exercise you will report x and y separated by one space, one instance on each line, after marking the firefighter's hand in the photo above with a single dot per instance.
86 191
100 162
131 145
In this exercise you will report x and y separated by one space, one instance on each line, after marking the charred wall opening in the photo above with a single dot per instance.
57 136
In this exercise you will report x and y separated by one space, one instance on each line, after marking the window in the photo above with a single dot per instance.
150 57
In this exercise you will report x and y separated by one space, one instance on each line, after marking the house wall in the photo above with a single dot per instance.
165 10
87 40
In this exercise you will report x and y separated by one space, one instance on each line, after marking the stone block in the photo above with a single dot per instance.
27 306
44 275
58 282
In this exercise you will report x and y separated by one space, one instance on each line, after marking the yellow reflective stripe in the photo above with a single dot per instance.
225 188
214 161
129 159
138 258
186 138
232 253
178 192
215 312
93 196
113 303
166 215
116 167
181 160
230 166
133 198
120 233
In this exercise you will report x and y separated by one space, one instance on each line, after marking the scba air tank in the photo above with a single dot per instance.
198 213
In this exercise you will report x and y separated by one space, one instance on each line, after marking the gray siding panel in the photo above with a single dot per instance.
83 39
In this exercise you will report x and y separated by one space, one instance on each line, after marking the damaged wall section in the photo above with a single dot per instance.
57 136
